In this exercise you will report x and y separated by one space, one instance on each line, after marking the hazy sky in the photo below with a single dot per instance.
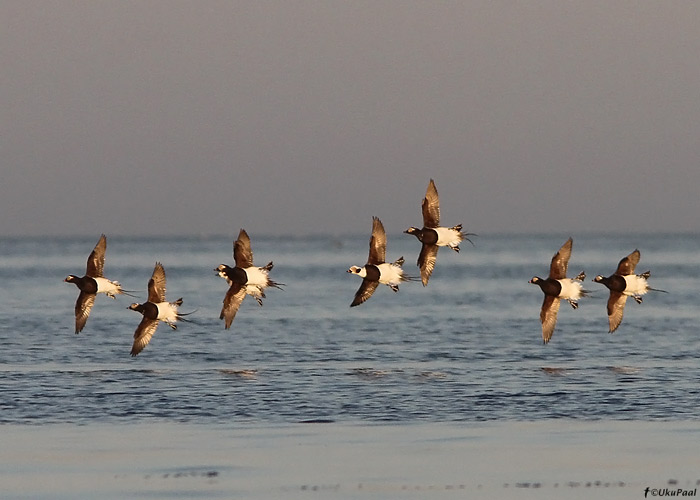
282 117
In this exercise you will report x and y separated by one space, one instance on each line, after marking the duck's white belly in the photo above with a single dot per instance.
389 274
448 237
106 286
570 289
256 277
636 285
167 312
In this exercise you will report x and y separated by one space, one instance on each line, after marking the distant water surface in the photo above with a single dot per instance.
466 348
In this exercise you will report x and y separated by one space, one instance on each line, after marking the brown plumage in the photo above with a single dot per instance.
92 283
376 270
432 235
155 309
243 257
617 300
620 288
431 206
560 261
243 279
550 305
86 298
557 287
377 255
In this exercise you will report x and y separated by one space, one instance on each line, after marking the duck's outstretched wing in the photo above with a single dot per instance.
83 306
96 260
232 301
143 334
560 261
365 291
628 264
431 206
377 243
242 252
548 316
156 285
616 308
426 261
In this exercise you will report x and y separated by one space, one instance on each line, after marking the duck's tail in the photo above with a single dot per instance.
646 275
465 236
270 282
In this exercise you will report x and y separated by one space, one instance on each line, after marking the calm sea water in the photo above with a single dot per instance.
466 348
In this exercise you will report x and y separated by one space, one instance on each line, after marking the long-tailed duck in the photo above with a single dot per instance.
432 235
243 279
377 271
92 283
558 287
155 309
624 283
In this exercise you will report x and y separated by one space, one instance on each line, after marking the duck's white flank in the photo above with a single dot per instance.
389 274
167 311
258 280
108 287
448 237
257 276
570 289
636 285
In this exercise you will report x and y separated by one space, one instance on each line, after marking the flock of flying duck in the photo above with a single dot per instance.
556 287
247 279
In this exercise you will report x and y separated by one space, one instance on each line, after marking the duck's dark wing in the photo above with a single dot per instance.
548 316
242 253
143 334
365 291
616 308
560 261
83 306
628 264
96 260
431 206
232 301
426 261
156 285
377 243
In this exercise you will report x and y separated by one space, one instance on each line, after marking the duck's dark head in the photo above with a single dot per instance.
222 270
71 279
536 280
600 279
418 233
136 307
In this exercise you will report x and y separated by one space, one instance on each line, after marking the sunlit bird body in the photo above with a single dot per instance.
433 236
558 287
624 283
243 279
154 310
376 271
92 283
